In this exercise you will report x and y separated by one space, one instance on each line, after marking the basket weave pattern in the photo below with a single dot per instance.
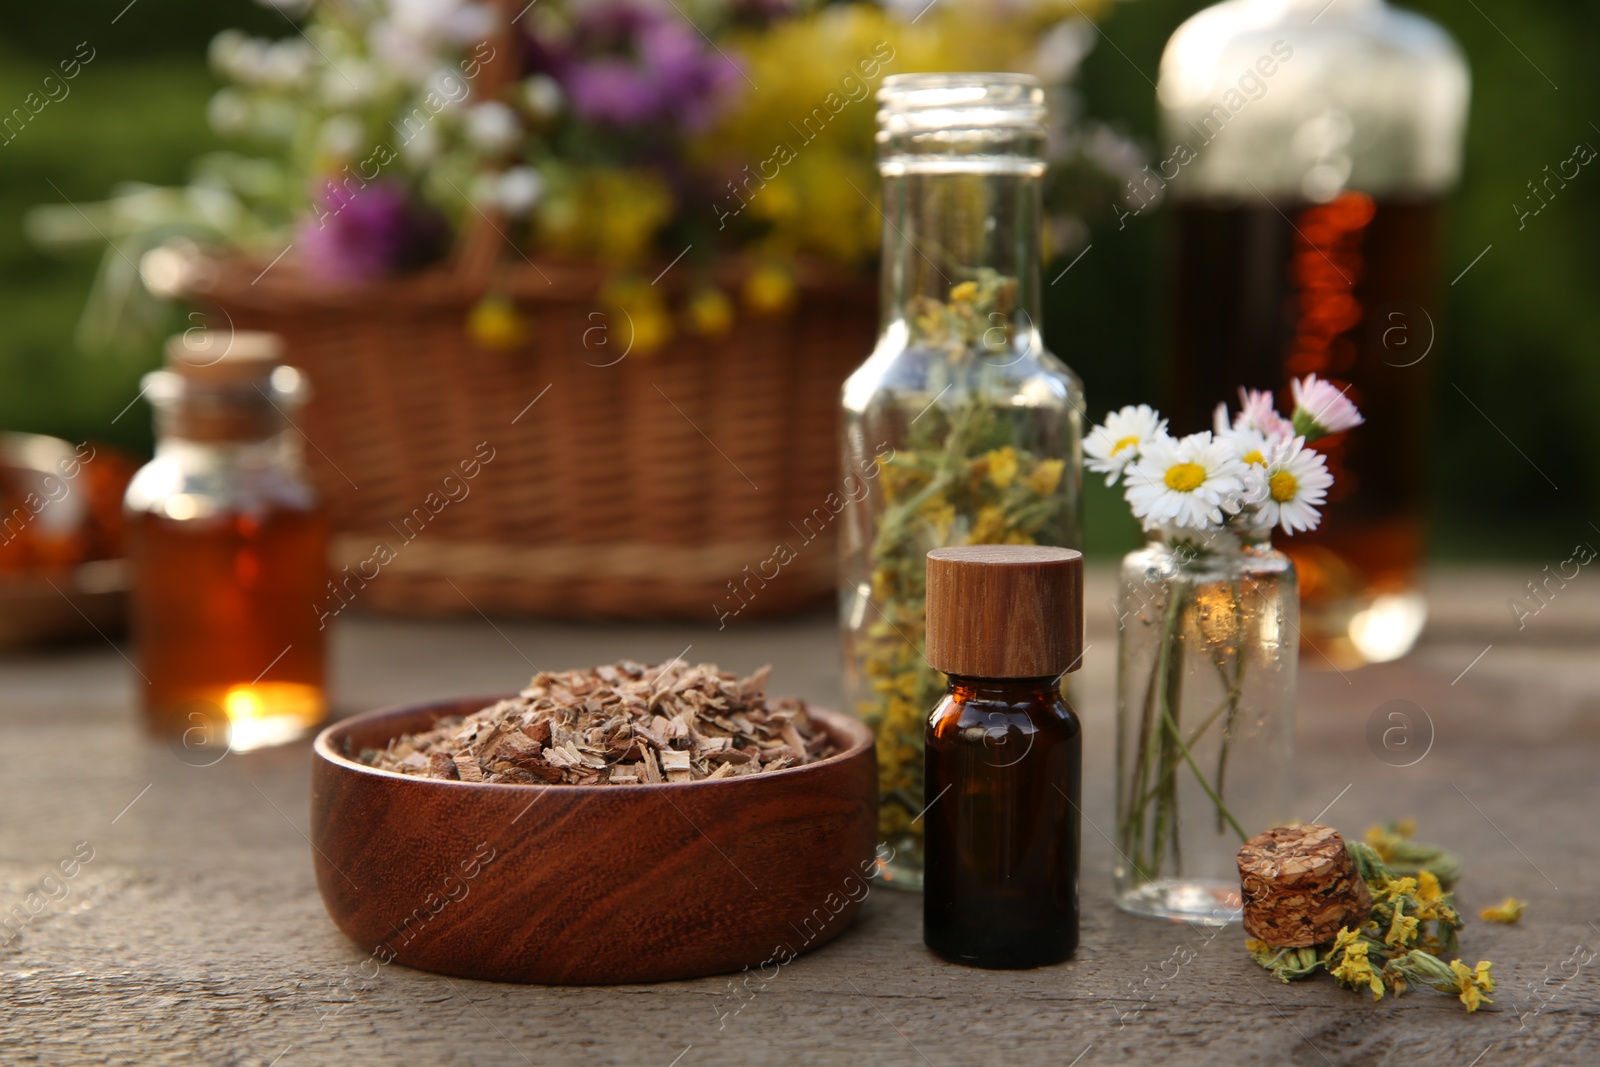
637 489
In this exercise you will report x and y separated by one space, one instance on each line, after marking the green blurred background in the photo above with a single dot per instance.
1519 333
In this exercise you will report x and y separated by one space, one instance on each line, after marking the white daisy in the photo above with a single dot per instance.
1295 483
493 127
1120 440
1254 448
1322 408
1189 482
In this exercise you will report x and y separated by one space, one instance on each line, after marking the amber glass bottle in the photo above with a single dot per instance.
1003 756
228 548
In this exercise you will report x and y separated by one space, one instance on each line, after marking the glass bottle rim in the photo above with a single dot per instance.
997 100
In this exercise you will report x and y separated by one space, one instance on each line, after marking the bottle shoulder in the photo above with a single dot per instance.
896 371
956 714
200 482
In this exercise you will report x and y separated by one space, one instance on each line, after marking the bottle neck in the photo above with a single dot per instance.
963 233
1008 690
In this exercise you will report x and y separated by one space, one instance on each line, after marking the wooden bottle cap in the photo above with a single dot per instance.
1005 611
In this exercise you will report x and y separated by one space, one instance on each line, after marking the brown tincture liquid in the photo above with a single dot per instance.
225 622
1345 290
1003 773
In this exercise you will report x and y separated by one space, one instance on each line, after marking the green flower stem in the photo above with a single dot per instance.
1150 824
1231 700
1172 729
1234 690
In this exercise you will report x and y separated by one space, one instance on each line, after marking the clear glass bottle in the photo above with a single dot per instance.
1206 657
1309 146
228 550
960 428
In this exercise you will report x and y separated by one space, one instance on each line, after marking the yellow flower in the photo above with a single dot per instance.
1402 928
1002 461
941 518
1507 912
1046 476
611 213
964 292
1429 895
989 528
1473 984
1397 887
899 481
769 289
644 324
1382 842
1428 888
710 313
494 322
1355 970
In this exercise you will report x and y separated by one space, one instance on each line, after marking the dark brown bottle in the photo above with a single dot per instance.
1266 293
1003 756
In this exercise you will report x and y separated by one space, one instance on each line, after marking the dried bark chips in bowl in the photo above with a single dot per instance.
628 823
617 725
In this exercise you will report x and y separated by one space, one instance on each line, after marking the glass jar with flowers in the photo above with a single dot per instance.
1208 639
960 429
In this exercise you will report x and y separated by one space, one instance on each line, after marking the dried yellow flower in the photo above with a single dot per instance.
1508 911
1402 928
1354 970
1473 983
1046 477
1002 464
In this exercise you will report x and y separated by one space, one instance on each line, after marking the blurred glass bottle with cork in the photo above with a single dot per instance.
227 544
1308 146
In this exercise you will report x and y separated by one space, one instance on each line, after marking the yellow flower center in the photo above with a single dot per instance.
1185 477
1126 442
1283 486
1254 458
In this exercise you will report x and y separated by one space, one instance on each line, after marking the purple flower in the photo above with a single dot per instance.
630 65
371 231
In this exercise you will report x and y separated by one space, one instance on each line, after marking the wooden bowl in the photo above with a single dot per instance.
569 884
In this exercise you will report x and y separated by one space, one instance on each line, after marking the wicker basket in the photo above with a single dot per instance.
651 487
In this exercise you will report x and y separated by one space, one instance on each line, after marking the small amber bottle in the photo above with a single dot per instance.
1004 755
228 549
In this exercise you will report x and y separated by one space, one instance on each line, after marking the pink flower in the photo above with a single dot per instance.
1322 408
376 230
1257 413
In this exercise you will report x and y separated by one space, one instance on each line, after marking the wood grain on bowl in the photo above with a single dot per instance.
569 884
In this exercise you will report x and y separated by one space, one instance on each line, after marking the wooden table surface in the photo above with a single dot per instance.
195 935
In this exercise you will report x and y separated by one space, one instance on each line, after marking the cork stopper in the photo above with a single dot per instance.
1300 886
225 357
224 386
1005 611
